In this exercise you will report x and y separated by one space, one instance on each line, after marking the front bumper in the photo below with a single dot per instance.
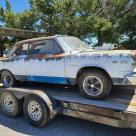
131 79
127 80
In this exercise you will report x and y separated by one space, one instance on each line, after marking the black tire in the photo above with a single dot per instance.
10 105
7 79
103 82
43 119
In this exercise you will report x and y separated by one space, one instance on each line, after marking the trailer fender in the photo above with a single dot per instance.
24 93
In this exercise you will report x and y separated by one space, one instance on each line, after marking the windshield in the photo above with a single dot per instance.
72 44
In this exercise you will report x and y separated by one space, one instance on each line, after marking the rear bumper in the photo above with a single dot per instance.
127 80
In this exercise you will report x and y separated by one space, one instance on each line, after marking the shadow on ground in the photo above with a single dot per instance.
63 126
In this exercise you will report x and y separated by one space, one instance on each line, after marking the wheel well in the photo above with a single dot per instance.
5 70
92 68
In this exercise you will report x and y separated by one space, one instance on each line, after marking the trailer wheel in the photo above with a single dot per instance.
10 105
7 79
36 111
94 84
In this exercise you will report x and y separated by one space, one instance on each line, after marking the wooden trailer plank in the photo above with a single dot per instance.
93 109
97 118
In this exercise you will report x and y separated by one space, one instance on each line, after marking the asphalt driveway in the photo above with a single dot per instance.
60 126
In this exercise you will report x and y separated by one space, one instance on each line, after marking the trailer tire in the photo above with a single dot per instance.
7 79
87 84
10 105
36 111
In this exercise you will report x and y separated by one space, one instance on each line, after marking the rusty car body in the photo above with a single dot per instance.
67 60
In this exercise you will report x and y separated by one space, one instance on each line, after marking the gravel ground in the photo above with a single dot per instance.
60 126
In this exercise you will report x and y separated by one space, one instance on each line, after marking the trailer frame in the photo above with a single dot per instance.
94 111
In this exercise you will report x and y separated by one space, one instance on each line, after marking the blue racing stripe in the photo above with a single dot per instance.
47 79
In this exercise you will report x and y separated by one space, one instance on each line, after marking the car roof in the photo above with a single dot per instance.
40 38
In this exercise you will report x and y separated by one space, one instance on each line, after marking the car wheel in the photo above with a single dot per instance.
94 84
7 79
36 111
10 105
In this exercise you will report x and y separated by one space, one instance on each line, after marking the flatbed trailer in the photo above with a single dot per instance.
118 110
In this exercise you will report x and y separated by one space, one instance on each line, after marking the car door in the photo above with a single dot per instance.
16 64
45 62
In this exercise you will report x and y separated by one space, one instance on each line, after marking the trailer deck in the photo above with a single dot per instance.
119 109
120 99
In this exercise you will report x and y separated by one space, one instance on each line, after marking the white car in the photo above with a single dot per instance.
67 60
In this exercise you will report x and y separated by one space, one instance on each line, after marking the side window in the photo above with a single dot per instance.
41 47
21 50
57 48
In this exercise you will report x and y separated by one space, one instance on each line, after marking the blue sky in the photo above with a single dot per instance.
17 5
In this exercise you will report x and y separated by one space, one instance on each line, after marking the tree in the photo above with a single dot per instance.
108 20
8 5
55 16
127 29
104 17
25 20
45 11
